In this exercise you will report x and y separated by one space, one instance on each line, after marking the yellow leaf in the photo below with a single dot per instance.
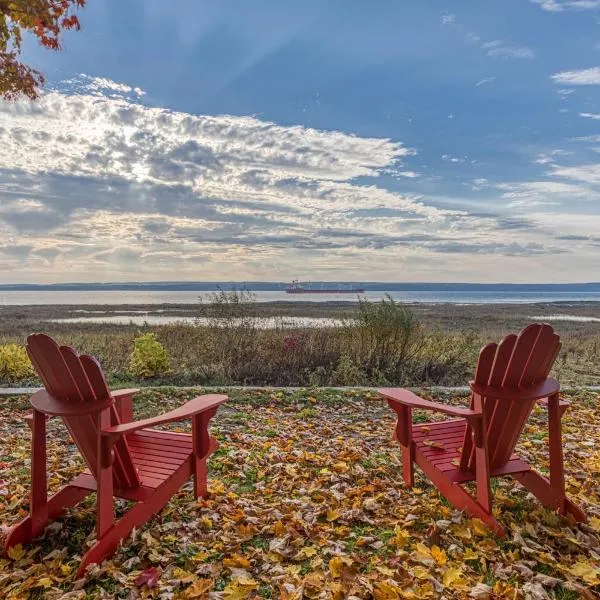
236 560
198 588
423 554
479 527
333 515
587 571
44 582
200 556
66 569
595 523
470 555
240 588
16 552
337 563
439 555
386 590
451 576
206 522
420 572
306 552
402 536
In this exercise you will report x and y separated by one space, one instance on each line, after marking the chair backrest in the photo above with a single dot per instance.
517 361
70 377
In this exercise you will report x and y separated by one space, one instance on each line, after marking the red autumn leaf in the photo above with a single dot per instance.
46 20
149 577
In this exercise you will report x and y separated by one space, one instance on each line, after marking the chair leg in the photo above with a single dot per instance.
24 531
403 435
135 517
546 493
204 446
459 497
408 465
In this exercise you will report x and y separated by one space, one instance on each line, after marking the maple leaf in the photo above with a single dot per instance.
586 570
386 590
434 444
337 564
240 588
439 555
148 577
16 552
451 576
198 589
236 560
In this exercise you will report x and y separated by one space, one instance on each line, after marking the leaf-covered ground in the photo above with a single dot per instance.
307 502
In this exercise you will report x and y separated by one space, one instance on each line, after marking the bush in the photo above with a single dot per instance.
14 363
383 340
149 357
233 332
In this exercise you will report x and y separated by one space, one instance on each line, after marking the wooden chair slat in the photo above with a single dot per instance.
74 365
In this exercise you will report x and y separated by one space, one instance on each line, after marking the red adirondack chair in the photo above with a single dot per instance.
125 459
509 379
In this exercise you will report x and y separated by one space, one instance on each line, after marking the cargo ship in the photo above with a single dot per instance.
299 288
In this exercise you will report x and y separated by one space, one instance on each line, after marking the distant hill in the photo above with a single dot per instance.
261 286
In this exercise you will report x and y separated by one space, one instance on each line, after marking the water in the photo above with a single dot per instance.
113 297
572 318
151 319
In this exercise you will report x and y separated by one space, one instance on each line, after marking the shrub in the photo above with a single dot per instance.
383 340
14 363
149 357
233 333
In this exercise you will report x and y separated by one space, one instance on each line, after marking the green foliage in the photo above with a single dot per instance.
149 357
14 363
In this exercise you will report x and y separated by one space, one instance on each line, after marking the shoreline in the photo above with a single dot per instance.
582 317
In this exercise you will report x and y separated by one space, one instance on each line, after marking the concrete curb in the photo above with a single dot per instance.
441 389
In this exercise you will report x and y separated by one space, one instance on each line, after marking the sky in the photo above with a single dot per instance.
341 140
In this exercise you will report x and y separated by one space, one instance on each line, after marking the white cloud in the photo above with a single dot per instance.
589 76
485 81
562 5
103 186
594 116
500 49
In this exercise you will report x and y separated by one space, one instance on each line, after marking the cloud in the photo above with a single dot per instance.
541 193
95 183
448 19
500 49
485 81
495 48
563 5
589 76
594 116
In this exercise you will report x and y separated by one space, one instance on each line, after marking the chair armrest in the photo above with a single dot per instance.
124 403
543 389
127 393
561 403
189 409
407 398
